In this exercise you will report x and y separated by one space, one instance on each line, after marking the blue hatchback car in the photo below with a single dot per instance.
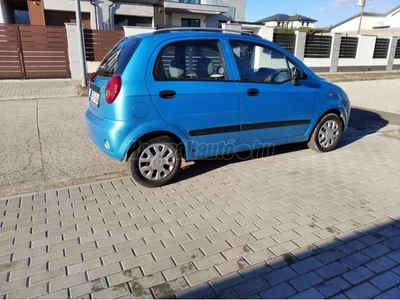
190 94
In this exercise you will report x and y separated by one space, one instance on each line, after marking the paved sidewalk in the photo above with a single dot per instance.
292 223
295 224
37 89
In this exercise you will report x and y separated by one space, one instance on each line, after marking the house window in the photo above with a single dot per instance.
125 20
190 22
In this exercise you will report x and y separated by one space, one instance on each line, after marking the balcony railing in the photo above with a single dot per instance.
205 2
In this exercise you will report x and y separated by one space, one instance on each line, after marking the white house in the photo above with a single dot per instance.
109 14
286 21
370 22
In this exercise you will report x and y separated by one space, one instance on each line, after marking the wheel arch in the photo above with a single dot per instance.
150 135
335 111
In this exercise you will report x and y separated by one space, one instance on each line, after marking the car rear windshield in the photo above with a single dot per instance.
116 60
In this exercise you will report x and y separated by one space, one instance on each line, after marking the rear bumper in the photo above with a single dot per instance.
109 135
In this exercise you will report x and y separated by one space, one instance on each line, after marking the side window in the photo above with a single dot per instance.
191 60
258 63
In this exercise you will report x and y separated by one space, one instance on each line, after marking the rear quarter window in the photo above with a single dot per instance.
117 59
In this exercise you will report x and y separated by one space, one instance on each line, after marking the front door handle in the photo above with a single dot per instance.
253 92
167 94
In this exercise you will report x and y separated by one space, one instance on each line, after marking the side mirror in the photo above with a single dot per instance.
297 74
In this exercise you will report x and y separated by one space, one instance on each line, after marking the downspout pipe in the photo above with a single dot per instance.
109 13
81 42
95 13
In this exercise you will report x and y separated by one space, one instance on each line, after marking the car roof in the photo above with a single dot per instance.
163 34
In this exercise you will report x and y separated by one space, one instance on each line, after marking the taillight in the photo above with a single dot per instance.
112 89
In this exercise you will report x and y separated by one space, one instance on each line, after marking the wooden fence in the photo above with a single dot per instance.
318 46
348 47
381 48
99 42
33 52
285 40
397 55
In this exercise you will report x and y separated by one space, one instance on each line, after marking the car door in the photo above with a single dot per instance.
272 107
191 91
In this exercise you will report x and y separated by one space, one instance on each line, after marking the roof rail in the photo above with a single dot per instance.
203 29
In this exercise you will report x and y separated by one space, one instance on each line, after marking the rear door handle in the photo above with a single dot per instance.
167 94
253 92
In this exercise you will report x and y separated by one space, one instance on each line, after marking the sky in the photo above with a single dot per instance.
327 12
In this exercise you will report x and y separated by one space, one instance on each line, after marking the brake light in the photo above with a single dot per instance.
112 89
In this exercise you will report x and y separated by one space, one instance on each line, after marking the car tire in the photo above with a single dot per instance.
156 162
326 134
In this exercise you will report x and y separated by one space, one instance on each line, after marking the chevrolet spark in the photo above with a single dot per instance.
175 94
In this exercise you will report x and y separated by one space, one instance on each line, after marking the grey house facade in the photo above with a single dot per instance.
113 14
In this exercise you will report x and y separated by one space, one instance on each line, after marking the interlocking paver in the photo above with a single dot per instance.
251 287
129 263
232 266
14 285
227 294
258 256
309 294
176 240
280 276
125 276
288 211
84 266
168 289
61 294
67 281
216 247
306 281
306 265
104 270
158 265
391 294
386 280
179 271
355 260
24 272
199 292
185 257
332 270
208 261
255 271
280 291
226 282
358 275
113 292
88 287
393 244
194 244
364 290
381 264
221 236
37 259
395 255
202 276
333 287
29 292
283 248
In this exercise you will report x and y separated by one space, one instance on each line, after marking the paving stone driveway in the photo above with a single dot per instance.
293 224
